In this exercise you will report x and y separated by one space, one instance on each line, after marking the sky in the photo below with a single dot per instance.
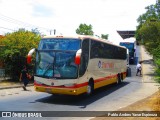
105 16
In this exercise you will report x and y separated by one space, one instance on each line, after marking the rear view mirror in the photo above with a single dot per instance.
29 56
78 57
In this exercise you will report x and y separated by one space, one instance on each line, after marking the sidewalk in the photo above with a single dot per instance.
147 66
9 85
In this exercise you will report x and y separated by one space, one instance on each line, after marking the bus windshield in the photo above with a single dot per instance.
59 44
55 58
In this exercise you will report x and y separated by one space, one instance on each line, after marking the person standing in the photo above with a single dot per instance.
139 69
24 77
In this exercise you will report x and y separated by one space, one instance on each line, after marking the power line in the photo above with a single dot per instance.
7 28
25 24
14 21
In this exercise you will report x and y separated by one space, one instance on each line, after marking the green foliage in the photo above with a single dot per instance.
104 36
152 13
84 29
36 31
150 33
15 50
157 70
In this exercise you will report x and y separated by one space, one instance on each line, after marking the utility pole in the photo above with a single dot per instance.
53 31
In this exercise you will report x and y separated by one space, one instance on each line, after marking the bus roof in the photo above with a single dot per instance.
81 37
130 40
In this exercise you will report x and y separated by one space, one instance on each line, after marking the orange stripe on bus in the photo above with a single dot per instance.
75 86
105 78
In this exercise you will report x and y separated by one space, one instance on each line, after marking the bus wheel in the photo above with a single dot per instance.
119 79
90 88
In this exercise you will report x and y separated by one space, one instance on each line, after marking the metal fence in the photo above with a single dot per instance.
2 72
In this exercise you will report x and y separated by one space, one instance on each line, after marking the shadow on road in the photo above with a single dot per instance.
82 100
149 61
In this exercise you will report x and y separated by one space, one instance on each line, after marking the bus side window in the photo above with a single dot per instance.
84 57
95 49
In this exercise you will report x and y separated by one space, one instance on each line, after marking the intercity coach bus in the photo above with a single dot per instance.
77 64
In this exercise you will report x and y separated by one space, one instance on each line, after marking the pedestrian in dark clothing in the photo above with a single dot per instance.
24 77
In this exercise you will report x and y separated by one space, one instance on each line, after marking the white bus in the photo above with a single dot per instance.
77 64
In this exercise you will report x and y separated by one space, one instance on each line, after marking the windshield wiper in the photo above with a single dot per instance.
48 68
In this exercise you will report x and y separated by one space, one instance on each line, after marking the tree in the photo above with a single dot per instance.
16 47
157 70
150 33
36 31
152 13
84 29
104 36
148 30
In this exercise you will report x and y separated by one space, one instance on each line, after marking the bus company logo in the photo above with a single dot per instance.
105 65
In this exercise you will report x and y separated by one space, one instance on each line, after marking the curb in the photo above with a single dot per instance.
142 58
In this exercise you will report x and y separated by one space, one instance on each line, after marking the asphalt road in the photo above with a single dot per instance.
109 98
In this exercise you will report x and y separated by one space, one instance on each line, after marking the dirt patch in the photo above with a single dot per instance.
151 103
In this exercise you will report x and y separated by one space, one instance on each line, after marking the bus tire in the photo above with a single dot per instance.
90 88
119 79
122 77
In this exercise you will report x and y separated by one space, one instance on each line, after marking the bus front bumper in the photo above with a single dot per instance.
59 90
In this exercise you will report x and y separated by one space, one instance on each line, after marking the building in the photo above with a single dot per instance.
126 34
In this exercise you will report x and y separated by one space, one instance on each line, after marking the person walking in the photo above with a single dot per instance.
139 69
24 77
